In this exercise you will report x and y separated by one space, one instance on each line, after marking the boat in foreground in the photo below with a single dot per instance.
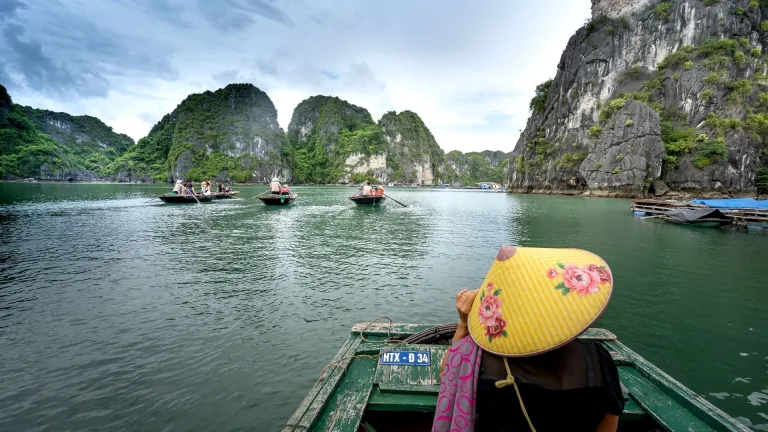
368 200
277 200
356 392
184 199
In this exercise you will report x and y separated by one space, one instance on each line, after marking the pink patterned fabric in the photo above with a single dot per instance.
458 388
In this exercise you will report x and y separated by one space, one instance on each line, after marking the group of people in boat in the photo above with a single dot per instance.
368 190
277 188
188 188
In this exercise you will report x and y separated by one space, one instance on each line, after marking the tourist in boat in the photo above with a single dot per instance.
275 186
190 188
285 190
229 189
380 190
367 189
516 344
221 187
178 187
206 188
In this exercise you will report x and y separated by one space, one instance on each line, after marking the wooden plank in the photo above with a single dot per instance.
311 407
598 334
396 330
688 400
345 409
410 388
662 408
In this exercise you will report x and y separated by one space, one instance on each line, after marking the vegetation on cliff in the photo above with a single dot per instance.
474 167
54 146
230 134
412 153
323 132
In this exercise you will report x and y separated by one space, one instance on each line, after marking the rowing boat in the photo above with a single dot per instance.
368 200
277 200
357 392
224 195
184 199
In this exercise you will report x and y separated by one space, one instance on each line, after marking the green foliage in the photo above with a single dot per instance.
677 58
764 26
712 47
677 141
595 131
676 76
596 23
706 94
740 12
753 4
723 124
715 78
613 106
598 165
473 167
635 72
520 164
711 2
358 178
740 59
416 143
629 123
663 10
739 89
688 65
616 170
761 180
709 152
756 52
757 125
539 102
570 160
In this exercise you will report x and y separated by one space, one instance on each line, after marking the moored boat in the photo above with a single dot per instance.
357 392
277 200
185 199
368 200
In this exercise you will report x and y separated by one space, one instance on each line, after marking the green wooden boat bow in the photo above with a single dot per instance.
357 393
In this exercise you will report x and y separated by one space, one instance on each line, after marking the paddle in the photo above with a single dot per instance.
193 196
394 200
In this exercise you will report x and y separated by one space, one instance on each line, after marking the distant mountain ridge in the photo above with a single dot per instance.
232 134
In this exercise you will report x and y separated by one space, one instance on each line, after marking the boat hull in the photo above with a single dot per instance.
367 200
184 199
383 397
225 195
275 200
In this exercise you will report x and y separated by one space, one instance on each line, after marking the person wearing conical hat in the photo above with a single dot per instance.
516 363
178 187
275 186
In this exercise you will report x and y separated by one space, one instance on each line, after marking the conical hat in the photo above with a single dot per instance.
534 300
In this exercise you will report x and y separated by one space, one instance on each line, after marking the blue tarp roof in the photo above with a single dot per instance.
734 203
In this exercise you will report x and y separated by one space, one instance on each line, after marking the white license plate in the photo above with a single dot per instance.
405 358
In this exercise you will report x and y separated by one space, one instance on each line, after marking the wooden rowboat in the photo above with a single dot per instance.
359 393
277 200
368 200
224 195
184 199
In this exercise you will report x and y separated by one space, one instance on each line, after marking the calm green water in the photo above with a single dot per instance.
124 314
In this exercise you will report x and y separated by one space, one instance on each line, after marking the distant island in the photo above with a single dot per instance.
232 135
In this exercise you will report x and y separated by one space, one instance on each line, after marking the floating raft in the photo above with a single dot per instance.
739 216
359 393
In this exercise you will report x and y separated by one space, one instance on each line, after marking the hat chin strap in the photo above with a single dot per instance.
511 381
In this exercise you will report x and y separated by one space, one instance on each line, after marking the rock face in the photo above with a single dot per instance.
227 135
47 145
330 139
648 94
413 155
475 167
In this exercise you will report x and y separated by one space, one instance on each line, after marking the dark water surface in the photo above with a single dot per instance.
122 314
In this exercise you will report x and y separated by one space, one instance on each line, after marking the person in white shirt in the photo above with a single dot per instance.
367 188
275 186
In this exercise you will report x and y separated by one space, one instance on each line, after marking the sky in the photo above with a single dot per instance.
468 68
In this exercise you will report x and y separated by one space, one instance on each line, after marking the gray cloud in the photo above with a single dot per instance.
226 77
42 73
267 67
232 15
8 8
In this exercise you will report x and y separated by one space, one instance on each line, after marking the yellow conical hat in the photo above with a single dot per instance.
534 299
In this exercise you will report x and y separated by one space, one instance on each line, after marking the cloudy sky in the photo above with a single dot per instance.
468 68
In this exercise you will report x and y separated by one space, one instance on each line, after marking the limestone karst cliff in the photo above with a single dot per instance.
651 95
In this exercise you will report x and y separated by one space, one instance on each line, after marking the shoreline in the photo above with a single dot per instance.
624 194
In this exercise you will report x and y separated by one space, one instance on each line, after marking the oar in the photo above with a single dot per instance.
193 196
394 200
